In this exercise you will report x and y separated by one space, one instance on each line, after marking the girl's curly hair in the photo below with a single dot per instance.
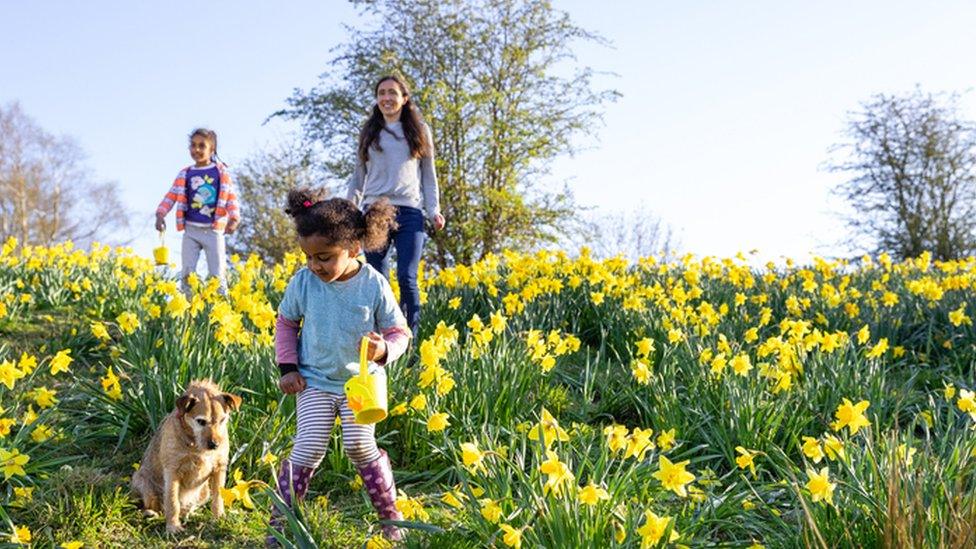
339 220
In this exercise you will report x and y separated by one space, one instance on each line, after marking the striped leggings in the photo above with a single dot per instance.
317 411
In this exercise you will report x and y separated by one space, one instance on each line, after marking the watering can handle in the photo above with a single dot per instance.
363 347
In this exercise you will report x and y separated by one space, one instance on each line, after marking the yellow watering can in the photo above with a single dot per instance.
366 393
161 253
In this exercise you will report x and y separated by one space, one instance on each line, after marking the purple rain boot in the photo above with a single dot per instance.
378 482
289 475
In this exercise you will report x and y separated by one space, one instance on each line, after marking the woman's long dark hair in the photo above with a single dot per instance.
410 119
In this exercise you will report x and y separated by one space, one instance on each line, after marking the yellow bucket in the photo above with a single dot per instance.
161 254
366 393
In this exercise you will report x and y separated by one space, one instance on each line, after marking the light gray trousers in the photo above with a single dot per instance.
211 243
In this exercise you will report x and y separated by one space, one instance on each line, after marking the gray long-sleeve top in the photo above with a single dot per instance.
395 174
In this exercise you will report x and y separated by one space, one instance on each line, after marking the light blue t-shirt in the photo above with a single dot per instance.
335 316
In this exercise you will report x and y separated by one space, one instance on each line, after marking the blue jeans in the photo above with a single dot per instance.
408 239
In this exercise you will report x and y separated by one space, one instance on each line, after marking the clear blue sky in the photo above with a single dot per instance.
728 108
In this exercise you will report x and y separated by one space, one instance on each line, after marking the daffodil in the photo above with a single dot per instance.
548 428
430 354
21 535
419 402
718 364
820 486
558 474
654 528
673 475
863 335
879 349
490 510
666 440
61 362
23 494
42 433
398 410
967 402
12 462
128 322
444 385
592 494
834 447
111 385
472 457
30 416
811 449
958 317
9 374
512 536
641 371
437 422
44 397
905 454
616 437
746 458
547 363
851 415
378 542
27 363
645 347
177 306
498 322
99 331
239 492
451 498
475 323
741 364
411 508
638 443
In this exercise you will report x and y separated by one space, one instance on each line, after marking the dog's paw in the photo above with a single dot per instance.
149 513
174 528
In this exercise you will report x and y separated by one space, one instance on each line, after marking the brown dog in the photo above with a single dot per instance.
186 461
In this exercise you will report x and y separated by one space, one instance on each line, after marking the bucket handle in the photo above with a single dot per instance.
363 347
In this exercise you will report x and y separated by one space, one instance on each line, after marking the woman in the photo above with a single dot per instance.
396 162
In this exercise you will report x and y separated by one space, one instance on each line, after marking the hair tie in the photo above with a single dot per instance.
307 203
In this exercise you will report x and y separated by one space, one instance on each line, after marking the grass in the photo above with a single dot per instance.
907 479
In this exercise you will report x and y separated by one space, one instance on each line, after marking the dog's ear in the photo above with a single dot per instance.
185 402
231 401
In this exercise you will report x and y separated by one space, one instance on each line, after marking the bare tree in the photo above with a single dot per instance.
912 162
47 194
263 180
633 233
